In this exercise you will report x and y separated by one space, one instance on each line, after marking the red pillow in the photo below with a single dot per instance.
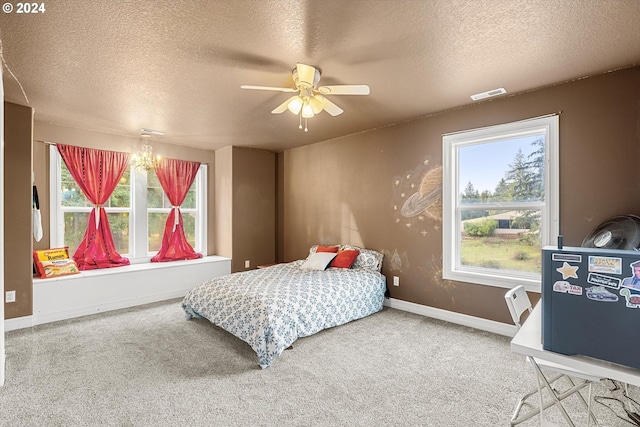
322 248
345 259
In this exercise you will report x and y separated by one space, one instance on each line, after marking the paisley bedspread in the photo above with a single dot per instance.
270 308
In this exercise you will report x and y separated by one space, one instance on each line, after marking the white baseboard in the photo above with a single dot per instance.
453 317
84 310
18 323
96 291
2 365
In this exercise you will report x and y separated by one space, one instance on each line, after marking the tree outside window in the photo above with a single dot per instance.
500 201
158 207
137 211
76 208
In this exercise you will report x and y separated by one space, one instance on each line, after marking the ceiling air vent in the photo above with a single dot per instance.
151 132
489 93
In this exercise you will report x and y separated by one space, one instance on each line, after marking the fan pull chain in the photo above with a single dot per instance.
306 129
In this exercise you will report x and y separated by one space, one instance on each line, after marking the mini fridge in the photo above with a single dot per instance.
591 303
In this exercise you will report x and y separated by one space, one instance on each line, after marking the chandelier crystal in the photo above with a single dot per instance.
144 159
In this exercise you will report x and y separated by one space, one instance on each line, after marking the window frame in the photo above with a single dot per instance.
452 224
138 227
200 222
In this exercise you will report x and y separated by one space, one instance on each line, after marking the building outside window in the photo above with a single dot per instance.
500 202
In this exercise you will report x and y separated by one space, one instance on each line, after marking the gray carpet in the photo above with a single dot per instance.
148 366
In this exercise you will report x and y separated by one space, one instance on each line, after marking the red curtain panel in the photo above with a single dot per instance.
176 177
97 173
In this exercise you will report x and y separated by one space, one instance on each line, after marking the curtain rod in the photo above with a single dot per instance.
54 143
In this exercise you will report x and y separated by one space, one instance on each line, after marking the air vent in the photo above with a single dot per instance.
488 94
151 132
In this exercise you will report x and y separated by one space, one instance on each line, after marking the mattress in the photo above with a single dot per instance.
269 308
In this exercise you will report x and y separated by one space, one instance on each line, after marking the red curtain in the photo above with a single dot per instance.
97 173
176 177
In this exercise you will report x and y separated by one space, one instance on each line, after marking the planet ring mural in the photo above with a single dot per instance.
427 197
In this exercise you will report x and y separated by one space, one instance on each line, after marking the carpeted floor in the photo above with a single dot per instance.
148 366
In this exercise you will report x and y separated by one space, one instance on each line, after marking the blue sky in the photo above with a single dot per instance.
485 164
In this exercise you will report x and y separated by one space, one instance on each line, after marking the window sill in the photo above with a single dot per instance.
131 268
531 285
96 291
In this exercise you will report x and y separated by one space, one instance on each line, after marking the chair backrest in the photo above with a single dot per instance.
517 301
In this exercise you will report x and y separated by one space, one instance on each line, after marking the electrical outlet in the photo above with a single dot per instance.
10 296
396 281
247 264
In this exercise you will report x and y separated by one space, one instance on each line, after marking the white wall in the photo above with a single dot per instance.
2 353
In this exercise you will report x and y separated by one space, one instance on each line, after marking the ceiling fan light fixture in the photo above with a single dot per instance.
295 105
310 99
315 104
307 111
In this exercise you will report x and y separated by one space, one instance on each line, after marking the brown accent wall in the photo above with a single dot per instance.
246 215
254 207
280 207
349 190
18 237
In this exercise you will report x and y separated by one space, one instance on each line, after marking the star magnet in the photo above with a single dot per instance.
568 271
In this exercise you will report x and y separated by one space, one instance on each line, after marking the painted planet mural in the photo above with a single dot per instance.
428 199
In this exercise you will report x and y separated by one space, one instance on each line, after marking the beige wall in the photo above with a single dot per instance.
18 234
346 190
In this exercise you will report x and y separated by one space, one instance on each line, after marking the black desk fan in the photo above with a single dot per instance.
618 232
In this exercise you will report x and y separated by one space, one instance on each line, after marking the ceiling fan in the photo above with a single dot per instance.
310 99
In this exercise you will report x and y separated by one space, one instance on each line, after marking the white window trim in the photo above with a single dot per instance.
201 207
549 125
138 218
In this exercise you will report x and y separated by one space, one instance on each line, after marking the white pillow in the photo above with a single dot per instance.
368 258
318 261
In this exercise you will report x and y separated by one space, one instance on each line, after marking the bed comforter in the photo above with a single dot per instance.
270 308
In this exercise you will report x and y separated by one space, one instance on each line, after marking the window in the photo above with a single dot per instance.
158 208
137 211
500 202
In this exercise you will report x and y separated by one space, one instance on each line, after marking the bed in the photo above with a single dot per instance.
269 308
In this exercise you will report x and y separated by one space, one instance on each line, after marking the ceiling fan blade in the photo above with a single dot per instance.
344 90
277 89
282 107
329 106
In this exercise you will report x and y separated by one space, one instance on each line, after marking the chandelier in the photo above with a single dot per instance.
144 159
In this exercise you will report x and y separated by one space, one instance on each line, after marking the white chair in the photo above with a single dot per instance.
518 302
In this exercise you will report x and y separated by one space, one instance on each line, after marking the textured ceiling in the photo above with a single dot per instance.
177 66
